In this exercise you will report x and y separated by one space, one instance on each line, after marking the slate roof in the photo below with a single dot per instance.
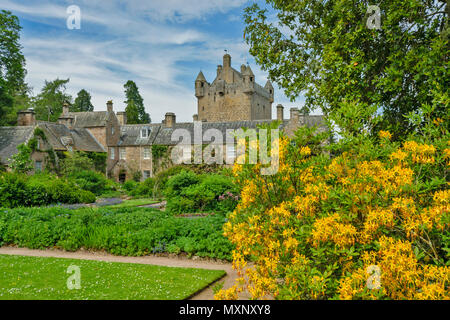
59 135
10 138
161 135
89 119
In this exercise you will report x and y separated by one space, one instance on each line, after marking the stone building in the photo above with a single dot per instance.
233 95
231 102
50 138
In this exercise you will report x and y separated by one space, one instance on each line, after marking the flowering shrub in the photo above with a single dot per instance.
363 218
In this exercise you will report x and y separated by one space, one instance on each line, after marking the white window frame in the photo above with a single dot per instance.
147 153
143 136
122 154
146 176
112 152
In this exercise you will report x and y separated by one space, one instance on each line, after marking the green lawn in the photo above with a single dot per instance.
134 203
46 278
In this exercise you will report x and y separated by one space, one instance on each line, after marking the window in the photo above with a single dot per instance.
38 165
38 144
144 133
112 152
123 154
112 131
147 152
146 174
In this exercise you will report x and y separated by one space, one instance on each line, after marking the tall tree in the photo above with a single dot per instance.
49 102
334 53
132 113
13 89
132 94
82 102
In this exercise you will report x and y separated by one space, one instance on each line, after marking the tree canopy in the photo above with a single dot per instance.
49 102
82 102
327 51
13 89
135 99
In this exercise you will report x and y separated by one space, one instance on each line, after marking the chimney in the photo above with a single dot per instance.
295 114
243 67
26 118
122 117
280 112
170 120
65 108
109 106
195 117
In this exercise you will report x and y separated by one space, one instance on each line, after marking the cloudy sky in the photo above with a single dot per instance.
159 44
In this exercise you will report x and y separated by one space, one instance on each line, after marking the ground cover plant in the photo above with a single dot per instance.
134 203
370 222
43 278
122 231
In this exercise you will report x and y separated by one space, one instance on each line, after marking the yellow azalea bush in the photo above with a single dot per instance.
360 220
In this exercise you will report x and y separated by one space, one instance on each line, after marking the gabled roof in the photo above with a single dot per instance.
59 136
10 138
130 135
89 119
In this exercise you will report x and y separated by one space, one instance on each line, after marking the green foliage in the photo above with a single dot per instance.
92 181
158 151
50 100
98 160
326 50
74 162
13 89
82 102
189 192
17 190
135 104
123 231
21 161
143 189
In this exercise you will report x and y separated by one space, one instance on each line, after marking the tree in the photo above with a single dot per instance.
132 94
330 52
132 113
21 162
13 89
48 103
83 102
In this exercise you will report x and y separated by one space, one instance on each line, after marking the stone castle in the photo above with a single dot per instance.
233 95
232 101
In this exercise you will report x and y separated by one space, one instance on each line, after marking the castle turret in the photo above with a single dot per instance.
249 80
269 88
200 85
226 61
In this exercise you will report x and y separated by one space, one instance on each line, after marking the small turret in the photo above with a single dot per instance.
269 88
226 61
249 80
200 85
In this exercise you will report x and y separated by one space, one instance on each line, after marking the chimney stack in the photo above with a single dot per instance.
195 117
295 114
26 118
122 117
65 108
170 120
280 112
109 106
226 61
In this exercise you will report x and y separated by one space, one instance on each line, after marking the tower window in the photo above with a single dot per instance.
251 79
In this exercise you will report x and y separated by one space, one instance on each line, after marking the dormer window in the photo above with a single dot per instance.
145 132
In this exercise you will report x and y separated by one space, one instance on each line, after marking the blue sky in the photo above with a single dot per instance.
161 45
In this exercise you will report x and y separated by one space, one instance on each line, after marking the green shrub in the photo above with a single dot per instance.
144 189
92 181
17 190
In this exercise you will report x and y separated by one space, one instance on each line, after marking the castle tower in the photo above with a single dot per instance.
233 95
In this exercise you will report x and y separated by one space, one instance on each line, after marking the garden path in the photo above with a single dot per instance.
176 261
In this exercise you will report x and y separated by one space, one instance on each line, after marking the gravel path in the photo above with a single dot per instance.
205 294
